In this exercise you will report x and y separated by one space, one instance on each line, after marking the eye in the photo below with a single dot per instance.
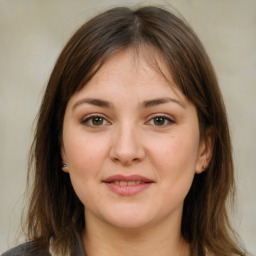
95 121
160 121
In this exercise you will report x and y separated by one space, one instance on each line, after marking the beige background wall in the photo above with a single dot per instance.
32 34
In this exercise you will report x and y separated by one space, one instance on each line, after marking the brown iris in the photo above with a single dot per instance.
97 120
159 121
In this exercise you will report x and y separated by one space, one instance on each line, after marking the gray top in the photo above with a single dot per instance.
29 249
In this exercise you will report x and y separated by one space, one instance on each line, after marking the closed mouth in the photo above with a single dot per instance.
124 185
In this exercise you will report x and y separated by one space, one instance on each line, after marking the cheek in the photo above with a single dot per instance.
175 159
84 152
85 157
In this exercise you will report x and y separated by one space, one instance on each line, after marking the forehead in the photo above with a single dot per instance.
146 61
135 70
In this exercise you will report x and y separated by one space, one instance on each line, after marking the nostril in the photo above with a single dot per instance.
127 149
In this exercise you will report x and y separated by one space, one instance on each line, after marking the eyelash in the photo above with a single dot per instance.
166 119
88 121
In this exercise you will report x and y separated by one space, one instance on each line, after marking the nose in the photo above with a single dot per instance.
127 146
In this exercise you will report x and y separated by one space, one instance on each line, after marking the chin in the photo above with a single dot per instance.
129 224
128 219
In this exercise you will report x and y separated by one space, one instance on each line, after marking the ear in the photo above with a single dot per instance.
64 165
205 150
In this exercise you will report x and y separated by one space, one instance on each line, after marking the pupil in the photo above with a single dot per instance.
97 120
159 121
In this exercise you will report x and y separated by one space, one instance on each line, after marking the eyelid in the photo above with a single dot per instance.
87 118
170 119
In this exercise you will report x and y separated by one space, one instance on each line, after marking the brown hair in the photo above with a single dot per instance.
55 212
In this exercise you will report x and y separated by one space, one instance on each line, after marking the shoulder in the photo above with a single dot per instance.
26 249
32 249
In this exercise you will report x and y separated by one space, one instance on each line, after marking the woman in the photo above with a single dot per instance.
132 151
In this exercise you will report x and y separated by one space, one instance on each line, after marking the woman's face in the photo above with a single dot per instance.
131 144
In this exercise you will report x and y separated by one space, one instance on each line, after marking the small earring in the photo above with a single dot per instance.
64 165
204 167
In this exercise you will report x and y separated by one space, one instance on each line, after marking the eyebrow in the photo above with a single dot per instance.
158 101
145 104
95 102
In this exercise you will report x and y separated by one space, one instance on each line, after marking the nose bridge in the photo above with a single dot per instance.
127 146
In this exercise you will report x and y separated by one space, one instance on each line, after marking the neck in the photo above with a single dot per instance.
105 240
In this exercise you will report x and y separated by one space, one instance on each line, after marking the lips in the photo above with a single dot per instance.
127 185
135 178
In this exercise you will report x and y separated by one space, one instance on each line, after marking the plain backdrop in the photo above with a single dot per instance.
32 33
